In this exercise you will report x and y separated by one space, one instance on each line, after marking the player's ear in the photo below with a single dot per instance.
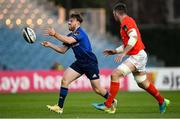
79 23
115 15
114 12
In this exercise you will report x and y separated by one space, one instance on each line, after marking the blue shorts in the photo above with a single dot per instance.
91 70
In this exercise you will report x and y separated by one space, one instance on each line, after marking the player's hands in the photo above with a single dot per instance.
46 43
119 57
108 52
49 32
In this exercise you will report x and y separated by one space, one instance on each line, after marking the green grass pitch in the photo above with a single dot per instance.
78 105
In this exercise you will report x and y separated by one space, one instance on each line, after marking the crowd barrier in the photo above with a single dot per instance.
50 81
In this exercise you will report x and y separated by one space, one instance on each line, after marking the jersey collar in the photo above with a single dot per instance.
76 29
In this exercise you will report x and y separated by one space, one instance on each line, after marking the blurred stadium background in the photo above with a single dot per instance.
26 68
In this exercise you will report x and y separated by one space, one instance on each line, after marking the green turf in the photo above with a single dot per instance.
78 105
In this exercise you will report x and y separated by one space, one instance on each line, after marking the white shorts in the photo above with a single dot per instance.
139 60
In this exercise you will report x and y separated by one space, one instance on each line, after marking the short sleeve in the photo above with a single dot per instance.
66 44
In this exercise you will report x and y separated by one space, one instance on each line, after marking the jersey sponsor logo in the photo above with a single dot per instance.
76 33
125 28
94 76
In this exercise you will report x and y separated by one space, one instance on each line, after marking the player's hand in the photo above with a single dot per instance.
119 57
49 32
46 43
108 52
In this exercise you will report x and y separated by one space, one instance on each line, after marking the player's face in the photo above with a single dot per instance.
72 24
115 15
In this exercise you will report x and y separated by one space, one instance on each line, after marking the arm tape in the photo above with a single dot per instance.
132 37
120 49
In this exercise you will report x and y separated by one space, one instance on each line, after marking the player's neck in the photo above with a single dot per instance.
76 28
122 17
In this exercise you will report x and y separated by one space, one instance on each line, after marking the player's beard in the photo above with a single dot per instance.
71 28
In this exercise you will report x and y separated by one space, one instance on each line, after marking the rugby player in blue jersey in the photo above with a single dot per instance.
86 61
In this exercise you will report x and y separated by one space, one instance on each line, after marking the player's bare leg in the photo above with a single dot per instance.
69 76
97 88
145 84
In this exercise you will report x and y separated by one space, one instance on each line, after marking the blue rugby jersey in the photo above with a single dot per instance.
82 48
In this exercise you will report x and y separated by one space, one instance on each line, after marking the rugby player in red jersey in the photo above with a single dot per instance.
135 63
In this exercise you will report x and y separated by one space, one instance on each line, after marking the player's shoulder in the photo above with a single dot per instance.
81 30
69 34
128 20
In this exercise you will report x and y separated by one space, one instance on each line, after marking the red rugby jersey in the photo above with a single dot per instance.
127 24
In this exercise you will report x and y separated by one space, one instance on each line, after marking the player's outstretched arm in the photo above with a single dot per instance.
59 49
108 52
62 38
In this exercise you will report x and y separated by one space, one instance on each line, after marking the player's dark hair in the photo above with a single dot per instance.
77 17
120 7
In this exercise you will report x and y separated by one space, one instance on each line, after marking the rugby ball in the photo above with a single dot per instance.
29 34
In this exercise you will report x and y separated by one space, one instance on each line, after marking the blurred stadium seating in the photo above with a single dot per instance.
15 53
